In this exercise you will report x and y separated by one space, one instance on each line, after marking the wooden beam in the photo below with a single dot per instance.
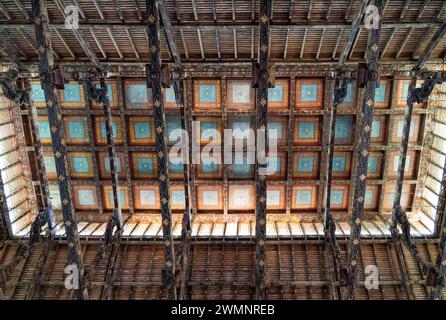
22 9
154 75
115 44
363 148
65 43
129 36
98 43
406 6
353 33
99 9
169 33
401 47
320 44
5 11
302 48
438 36
46 66
262 149
420 13
201 44
235 43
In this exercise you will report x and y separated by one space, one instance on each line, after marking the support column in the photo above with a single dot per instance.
262 147
46 69
371 80
154 79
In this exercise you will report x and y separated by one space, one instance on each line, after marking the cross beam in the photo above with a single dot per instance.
154 78
46 68
363 147
262 125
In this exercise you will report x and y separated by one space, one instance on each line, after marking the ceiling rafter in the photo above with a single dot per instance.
5 11
65 43
403 44
129 36
115 44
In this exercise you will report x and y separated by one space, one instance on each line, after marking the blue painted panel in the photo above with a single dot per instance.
273 165
275 130
80 164
178 198
372 165
109 90
339 163
86 197
176 165
399 132
276 94
308 93
209 165
121 197
337 197
343 127
208 130
38 94
145 165
142 129
306 129
117 163
44 129
368 198
72 93
349 96
305 164
114 130
170 95
207 93
380 93
76 129
376 128
303 197
405 92
241 168
138 93
50 164
173 124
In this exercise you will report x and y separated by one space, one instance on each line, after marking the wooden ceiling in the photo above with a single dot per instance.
210 31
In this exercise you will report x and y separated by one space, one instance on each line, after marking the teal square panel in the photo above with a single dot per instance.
207 93
241 168
86 197
38 93
343 129
44 129
376 129
306 129
399 131
117 164
380 93
114 130
368 198
405 92
138 93
76 129
275 130
339 163
208 130
178 198
109 90
209 165
176 165
145 165
372 165
349 96
273 165
142 130
308 93
121 197
173 128
72 93
303 197
276 94
50 164
337 197
305 164
170 95
80 164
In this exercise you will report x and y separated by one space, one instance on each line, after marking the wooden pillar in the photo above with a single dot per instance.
372 78
262 118
154 77
46 68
